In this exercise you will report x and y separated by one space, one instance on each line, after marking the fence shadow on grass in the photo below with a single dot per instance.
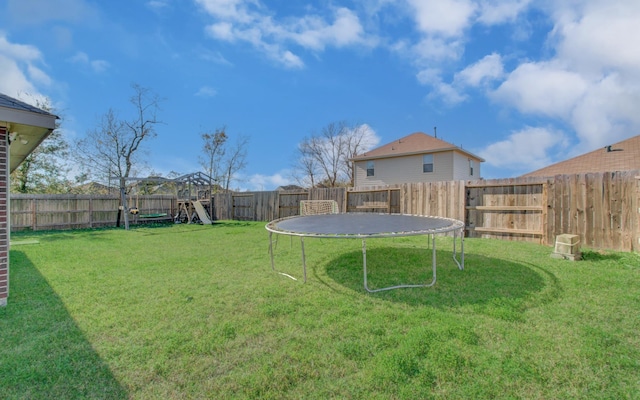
43 353
485 282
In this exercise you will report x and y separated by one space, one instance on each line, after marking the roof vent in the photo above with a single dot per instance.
609 149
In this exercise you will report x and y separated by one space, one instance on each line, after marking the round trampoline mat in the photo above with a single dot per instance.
359 225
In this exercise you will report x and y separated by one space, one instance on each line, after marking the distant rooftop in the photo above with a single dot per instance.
621 156
416 143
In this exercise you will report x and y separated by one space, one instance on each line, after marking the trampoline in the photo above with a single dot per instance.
364 226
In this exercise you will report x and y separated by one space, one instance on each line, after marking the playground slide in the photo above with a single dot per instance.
202 213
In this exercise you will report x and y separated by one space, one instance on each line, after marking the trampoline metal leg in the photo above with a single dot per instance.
455 237
433 266
364 264
304 261
273 264
271 250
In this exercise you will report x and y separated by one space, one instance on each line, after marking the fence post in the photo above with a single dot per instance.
636 242
34 214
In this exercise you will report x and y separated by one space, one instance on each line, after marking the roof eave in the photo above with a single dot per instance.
413 153
24 117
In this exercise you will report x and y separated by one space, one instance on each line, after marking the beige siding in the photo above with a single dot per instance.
391 171
461 167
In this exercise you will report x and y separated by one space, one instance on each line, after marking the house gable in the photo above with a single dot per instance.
402 160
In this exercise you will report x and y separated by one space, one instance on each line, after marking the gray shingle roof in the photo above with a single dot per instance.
10 102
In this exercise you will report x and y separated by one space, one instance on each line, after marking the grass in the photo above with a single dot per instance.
191 311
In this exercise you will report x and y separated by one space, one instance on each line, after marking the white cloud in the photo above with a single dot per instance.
498 11
312 32
525 150
260 182
290 60
482 73
13 80
157 5
234 10
592 80
488 69
21 52
543 88
249 21
443 17
448 94
222 31
37 11
206 91
20 72
97 66
600 36
431 49
214 57
429 76
38 76
607 113
370 138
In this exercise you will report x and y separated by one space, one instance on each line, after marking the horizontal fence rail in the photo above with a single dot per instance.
603 209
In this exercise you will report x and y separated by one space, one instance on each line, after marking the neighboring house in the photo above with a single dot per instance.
621 156
22 129
415 158
289 188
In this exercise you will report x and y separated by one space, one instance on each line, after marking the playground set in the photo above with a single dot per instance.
194 202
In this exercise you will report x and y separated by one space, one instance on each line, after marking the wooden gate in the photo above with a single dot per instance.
289 203
512 211
243 207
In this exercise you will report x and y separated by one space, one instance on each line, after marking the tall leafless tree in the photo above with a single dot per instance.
113 148
305 167
357 140
235 161
213 150
328 153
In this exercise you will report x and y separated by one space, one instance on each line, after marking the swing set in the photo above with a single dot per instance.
193 199
128 208
135 210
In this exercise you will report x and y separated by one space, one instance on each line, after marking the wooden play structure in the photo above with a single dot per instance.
195 201
193 205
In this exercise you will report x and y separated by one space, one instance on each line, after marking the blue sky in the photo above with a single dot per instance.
522 83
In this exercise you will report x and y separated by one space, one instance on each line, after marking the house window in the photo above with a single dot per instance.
470 167
370 168
427 163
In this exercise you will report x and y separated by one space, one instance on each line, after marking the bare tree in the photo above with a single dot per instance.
357 140
113 148
235 161
214 149
329 152
305 168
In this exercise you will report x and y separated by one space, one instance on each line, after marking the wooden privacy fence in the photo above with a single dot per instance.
603 209
41 212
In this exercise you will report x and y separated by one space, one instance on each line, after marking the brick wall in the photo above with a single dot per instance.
4 228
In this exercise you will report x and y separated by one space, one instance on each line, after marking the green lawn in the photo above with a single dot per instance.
188 311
